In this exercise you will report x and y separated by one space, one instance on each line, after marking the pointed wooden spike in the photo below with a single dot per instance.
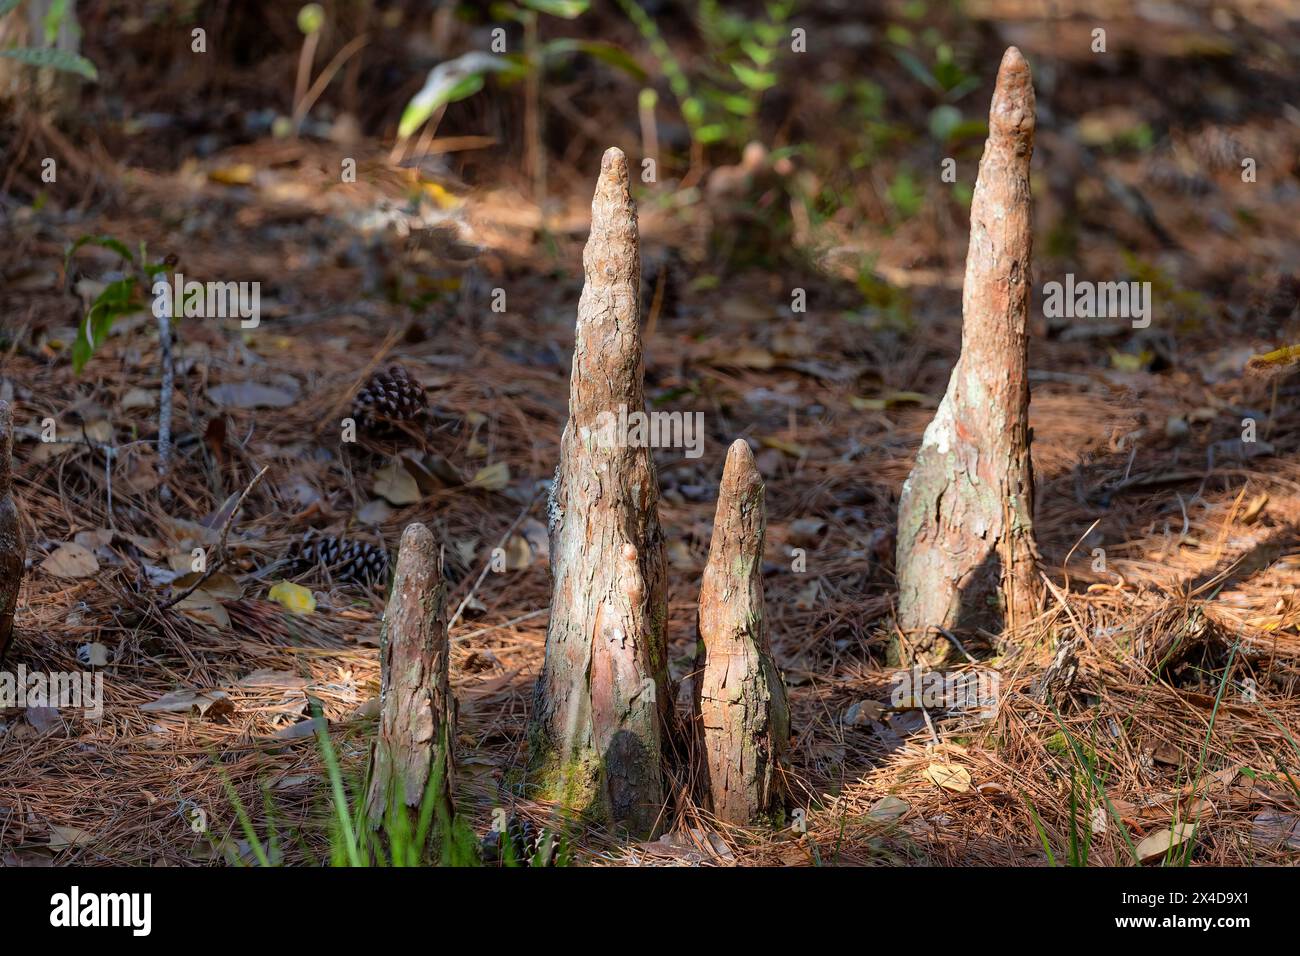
966 551
741 710
995 291
1011 115
607 362
414 748
603 701
612 258
741 482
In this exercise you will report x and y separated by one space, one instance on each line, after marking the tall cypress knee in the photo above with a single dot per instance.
603 703
741 713
13 548
966 552
413 751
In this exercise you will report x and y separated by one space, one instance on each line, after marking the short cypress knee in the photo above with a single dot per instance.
414 748
742 716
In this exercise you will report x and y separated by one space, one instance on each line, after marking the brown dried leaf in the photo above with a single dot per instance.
492 477
141 472
70 560
395 485
62 838
219 585
251 395
139 398
187 534
213 703
91 540
863 713
204 608
1167 754
518 554
1254 509
43 718
1159 843
888 809
949 776
279 680
1270 829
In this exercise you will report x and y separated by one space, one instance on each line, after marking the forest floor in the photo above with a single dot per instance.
1185 708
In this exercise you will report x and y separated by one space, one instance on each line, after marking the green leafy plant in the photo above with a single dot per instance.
933 62
460 78
454 80
1086 770
1182 854
720 105
864 103
1080 839
943 74
892 305
120 297
63 60
1188 306
905 194
743 55
401 840
930 58
449 82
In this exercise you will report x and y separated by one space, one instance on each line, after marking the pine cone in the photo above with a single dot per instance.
390 396
1056 684
525 841
350 561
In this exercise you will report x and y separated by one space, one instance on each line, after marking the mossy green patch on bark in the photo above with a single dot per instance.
576 784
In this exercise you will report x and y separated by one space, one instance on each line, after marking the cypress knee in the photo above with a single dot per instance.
741 713
13 548
413 751
966 551
603 703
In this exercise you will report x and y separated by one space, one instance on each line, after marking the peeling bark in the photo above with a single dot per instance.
13 549
966 552
741 712
603 702
413 750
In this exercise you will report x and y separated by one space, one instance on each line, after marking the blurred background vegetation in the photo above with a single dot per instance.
836 136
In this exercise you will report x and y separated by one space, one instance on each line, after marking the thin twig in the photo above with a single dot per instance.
488 567
165 396
308 100
216 565
956 643
501 627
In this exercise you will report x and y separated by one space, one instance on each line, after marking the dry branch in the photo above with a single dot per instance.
603 700
966 552
413 751
742 715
